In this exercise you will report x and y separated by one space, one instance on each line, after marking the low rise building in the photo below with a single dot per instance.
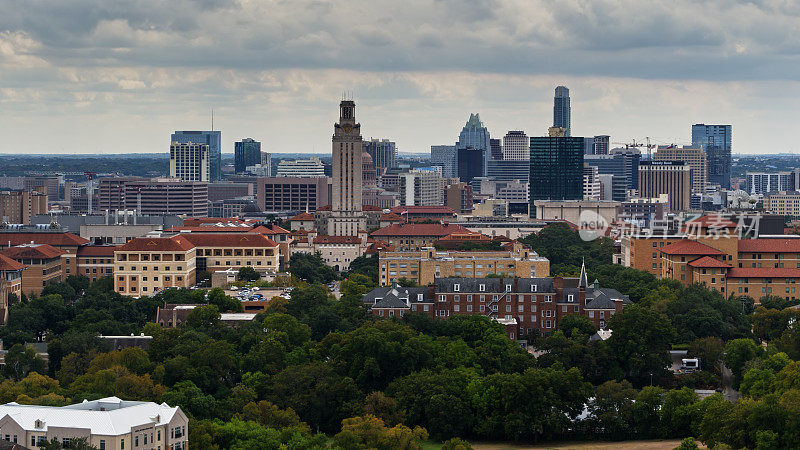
337 251
10 283
218 251
44 265
783 203
414 236
96 261
66 242
107 423
144 266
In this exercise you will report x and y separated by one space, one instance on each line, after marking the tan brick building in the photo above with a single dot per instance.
96 261
44 265
10 283
217 251
425 265
144 266
67 242
20 206
414 236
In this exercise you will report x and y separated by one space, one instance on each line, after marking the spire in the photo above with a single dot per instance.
584 282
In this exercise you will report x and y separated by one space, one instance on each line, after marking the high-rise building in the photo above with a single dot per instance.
601 144
556 169
476 136
458 197
561 110
622 163
716 142
445 156
496 149
673 178
189 161
52 183
761 182
213 139
613 187
246 152
591 183
347 217
18 207
421 187
290 194
383 153
155 196
694 156
516 146
471 163
311 167
509 170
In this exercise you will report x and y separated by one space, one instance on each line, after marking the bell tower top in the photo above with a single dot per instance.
347 112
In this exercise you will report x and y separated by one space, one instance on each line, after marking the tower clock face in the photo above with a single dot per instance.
347 129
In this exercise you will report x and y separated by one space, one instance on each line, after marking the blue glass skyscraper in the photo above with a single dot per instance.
716 142
246 152
211 138
475 136
561 110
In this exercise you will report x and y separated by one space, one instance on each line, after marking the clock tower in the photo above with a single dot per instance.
347 217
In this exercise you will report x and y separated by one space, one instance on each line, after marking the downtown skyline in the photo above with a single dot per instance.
80 77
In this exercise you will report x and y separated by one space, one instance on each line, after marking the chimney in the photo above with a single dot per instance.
558 286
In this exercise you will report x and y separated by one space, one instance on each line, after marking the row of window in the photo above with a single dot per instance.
155 269
495 297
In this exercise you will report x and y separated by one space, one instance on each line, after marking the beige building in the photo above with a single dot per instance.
218 251
783 203
673 178
143 266
414 236
189 161
347 217
337 251
576 211
20 206
694 156
10 283
45 265
108 423
425 265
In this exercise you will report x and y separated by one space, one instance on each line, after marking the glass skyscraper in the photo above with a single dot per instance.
445 157
383 153
471 163
476 136
561 110
556 169
246 153
716 142
211 138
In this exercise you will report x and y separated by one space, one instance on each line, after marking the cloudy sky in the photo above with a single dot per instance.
100 76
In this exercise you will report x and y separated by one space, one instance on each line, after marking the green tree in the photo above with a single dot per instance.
248 274
737 353
612 409
456 444
21 360
641 342
369 432
687 444
709 350
311 267
223 302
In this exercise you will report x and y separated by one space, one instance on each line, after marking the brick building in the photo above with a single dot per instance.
223 251
414 236
44 265
143 266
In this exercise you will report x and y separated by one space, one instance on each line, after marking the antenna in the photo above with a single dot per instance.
212 119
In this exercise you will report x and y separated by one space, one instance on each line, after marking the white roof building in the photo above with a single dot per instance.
108 424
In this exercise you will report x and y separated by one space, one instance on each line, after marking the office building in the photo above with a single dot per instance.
591 183
495 149
620 164
291 194
213 139
561 110
246 152
383 153
301 168
45 265
458 197
716 142
694 156
223 190
18 207
761 183
509 170
189 162
471 163
783 203
573 210
445 156
601 144
156 196
347 217
673 178
613 187
107 423
52 185
516 146
556 171
476 136
420 187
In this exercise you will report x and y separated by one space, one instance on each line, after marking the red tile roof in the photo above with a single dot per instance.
196 222
419 229
378 246
302 217
170 244
8 265
337 240
96 250
390 217
444 210
59 239
763 272
209 229
689 247
269 229
713 221
468 236
38 251
251 240
769 245
707 261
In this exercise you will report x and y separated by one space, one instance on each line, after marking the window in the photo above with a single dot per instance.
102 444
508 308
533 288
456 297
456 308
482 287
548 298
469 308
456 287
508 288
122 443
469 297
570 297
136 438
520 308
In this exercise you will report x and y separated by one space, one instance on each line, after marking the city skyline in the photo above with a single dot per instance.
77 77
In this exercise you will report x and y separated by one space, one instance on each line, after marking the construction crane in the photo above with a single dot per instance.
89 189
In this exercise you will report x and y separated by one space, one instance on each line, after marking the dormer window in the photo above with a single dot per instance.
456 287
533 288
482 287
38 424
419 297
508 288
570 298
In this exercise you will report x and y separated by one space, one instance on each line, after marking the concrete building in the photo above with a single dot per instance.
617 164
695 157
783 203
458 197
383 153
51 184
516 146
613 187
301 168
505 170
286 194
156 196
673 178
222 190
573 210
425 265
347 217
421 187
246 152
213 139
108 423
601 144
144 266
20 206
591 183
445 156
220 251
189 162
337 251
760 183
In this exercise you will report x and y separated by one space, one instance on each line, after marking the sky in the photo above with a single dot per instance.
99 76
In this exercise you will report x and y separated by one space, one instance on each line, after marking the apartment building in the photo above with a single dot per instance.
783 203
44 265
523 305
218 251
20 206
424 266
107 424
143 266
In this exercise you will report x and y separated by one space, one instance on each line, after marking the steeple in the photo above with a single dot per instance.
584 281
